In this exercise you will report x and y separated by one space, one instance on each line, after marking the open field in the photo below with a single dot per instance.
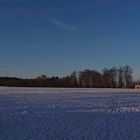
69 114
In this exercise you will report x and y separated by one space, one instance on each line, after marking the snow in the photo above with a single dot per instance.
69 114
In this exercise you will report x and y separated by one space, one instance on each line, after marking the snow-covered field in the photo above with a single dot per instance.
69 114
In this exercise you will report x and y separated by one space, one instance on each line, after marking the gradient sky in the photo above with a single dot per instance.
56 37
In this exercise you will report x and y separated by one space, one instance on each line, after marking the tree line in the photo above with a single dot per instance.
108 78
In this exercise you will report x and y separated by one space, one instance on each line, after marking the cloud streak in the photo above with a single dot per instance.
62 25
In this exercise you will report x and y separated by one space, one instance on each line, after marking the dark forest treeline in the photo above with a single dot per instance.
108 78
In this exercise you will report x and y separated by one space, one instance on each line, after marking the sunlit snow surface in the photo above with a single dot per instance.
69 114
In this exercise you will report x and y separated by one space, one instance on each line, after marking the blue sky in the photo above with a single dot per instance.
56 37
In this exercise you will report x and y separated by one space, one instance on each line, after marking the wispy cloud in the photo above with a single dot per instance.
62 25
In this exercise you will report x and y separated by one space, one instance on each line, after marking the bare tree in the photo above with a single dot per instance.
127 76
120 78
